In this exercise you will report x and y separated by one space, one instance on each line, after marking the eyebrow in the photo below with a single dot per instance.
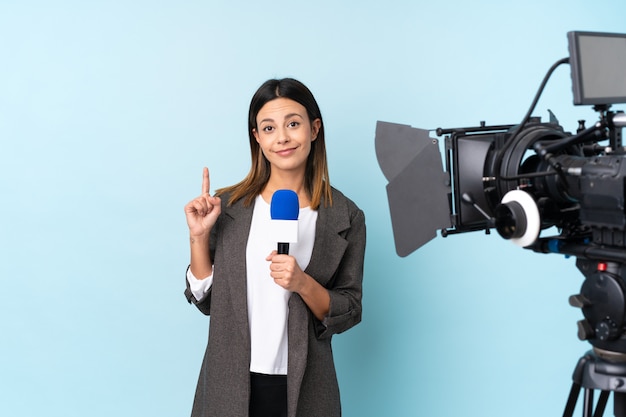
286 117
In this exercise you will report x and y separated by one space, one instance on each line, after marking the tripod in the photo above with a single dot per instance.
594 372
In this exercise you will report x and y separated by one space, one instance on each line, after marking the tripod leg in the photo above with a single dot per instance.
588 404
604 397
619 404
571 400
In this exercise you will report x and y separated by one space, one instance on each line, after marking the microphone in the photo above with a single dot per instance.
284 210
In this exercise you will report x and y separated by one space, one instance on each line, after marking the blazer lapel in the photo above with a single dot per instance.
329 245
235 240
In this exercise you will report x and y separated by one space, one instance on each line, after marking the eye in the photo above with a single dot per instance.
268 129
293 124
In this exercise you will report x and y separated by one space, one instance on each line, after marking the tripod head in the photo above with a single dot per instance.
602 299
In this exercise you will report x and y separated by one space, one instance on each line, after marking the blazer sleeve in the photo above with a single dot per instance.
204 305
346 289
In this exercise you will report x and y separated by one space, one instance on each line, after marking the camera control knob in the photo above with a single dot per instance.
585 331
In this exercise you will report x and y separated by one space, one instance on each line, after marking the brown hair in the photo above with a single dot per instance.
316 179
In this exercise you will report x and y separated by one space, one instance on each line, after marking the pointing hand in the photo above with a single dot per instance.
202 212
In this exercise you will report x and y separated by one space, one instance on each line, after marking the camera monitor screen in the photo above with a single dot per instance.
598 62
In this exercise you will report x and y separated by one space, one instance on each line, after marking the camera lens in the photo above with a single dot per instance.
510 220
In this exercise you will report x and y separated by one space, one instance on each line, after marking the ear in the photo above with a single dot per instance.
315 128
256 135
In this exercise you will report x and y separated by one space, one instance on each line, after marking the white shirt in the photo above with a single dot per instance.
267 301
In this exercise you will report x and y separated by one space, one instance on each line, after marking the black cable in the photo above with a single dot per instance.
526 118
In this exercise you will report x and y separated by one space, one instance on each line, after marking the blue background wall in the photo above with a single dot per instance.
110 109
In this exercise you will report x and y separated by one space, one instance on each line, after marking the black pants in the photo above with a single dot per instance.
268 395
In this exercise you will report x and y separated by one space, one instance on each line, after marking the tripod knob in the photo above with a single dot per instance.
579 301
585 331
607 330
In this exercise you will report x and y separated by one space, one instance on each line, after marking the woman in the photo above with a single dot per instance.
273 315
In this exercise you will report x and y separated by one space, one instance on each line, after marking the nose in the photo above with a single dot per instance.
283 136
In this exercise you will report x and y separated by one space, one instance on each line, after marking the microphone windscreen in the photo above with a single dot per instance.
284 205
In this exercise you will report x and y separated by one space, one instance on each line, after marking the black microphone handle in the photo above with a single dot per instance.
283 248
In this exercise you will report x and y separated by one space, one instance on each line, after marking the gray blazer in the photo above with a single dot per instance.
223 388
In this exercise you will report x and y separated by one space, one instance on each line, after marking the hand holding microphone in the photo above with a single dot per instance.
284 211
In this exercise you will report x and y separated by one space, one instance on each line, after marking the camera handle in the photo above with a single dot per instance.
613 122
616 121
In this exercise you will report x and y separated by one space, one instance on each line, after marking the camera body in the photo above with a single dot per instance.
577 187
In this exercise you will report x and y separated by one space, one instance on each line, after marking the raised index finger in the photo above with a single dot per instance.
206 183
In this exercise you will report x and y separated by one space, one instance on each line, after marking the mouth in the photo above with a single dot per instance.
285 152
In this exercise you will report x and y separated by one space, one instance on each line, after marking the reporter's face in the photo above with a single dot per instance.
285 133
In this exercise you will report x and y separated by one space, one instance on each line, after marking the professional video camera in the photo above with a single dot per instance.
530 178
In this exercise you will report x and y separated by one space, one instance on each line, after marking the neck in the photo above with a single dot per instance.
290 183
